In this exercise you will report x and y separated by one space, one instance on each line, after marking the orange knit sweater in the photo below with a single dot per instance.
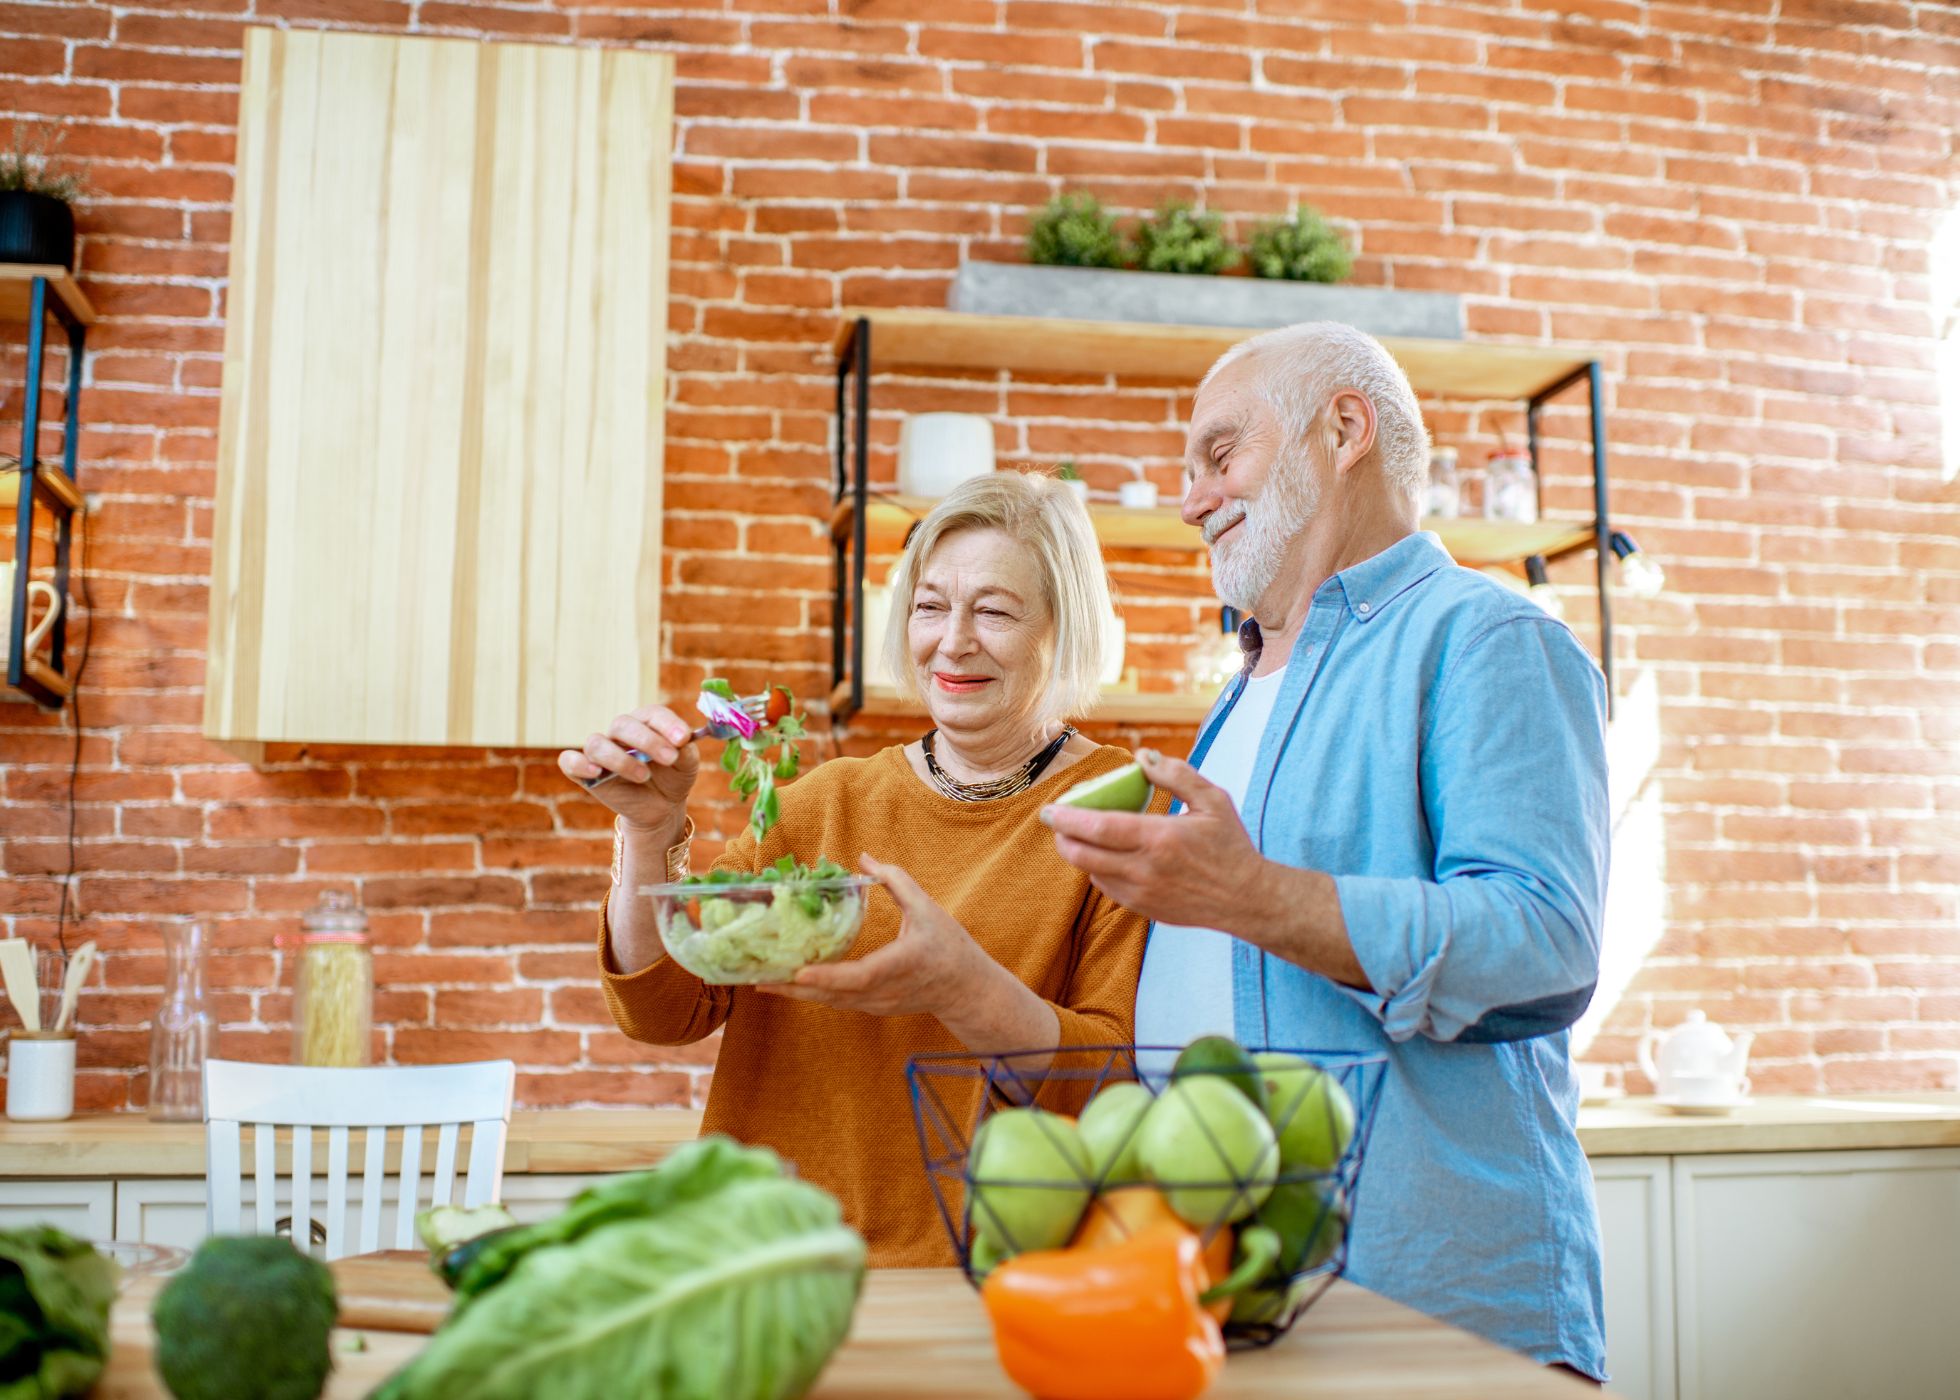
827 1088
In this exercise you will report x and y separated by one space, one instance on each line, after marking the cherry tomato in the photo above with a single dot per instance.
779 703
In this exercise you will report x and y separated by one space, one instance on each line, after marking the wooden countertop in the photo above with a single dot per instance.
921 1334
572 1141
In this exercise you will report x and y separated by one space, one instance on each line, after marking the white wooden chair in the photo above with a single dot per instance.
410 1099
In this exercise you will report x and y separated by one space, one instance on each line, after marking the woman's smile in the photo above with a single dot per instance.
958 684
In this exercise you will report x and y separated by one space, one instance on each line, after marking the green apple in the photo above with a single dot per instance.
1122 790
1310 1111
1209 1150
1031 1180
1109 1130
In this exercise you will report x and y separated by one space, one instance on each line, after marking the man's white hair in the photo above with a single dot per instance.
1299 368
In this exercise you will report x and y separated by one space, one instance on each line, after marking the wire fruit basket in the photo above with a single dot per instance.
1013 1167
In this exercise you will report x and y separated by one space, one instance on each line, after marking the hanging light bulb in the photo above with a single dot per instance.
1540 588
1639 574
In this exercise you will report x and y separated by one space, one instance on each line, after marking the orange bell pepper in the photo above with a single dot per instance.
1127 1211
1118 1322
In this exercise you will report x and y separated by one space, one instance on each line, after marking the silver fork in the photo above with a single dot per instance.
756 707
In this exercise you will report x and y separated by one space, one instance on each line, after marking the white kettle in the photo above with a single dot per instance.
1695 1053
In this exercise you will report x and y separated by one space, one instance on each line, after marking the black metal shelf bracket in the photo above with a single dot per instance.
40 305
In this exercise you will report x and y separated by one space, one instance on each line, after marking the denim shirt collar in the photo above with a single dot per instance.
1368 587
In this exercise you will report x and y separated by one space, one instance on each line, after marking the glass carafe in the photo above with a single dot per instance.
180 1037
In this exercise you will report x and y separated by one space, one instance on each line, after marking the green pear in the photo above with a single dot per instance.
1309 1110
1209 1150
1029 1169
1109 1130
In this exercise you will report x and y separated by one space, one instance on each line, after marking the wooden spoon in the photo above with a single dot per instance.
71 987
17 967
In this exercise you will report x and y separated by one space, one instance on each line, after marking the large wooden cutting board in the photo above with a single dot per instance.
394 1291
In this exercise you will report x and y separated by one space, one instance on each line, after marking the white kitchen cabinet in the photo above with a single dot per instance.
85 1209
1818 1275
533 1198
1636 1232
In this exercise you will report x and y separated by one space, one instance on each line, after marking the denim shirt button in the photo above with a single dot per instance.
1361 608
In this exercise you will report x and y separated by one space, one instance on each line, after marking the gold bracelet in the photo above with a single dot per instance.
677 854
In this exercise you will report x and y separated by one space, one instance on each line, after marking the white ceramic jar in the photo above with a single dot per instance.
937 451
40 1076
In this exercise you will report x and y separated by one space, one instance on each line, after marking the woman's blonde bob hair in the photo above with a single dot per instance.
1045 518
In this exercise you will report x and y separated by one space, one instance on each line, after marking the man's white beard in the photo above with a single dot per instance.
1242 571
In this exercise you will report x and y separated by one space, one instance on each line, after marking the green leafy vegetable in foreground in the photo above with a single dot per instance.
715 1277
55 1293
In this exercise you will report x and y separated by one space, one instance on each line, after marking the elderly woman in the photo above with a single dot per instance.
990 940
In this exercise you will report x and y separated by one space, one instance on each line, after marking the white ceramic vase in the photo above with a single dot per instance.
937 451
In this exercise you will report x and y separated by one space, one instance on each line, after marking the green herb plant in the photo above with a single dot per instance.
1074 230
1179 238
30 165
1065 470
1302 247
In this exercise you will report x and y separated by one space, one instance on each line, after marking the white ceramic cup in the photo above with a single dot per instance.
1706 1088
937 451
1139 495
40 1076
36 631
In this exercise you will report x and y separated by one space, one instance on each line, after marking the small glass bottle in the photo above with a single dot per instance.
1510 488
180 1036
333 985
1443 500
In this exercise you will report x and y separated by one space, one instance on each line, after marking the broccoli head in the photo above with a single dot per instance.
249 1319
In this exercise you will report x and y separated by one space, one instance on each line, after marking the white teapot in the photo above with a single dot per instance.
1697 1060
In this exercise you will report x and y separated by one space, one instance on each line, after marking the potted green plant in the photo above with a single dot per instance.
1074 230
1303 247
1181 239
1081 267
1066 473
37 220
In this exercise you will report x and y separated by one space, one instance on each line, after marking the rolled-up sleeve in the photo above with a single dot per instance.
1501 942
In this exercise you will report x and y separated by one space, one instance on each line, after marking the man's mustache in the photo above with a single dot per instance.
1221 520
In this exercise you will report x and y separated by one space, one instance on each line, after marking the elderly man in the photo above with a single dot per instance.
1393 840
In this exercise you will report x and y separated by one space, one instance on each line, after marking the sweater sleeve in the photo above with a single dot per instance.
1098 1005
663 1003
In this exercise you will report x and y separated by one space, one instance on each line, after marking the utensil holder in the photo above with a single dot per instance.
40 1076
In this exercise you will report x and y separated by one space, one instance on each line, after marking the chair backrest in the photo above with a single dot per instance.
411 1099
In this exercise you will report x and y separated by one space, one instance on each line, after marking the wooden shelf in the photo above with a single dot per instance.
952 340
1471 541
53 483
1117 707
16 286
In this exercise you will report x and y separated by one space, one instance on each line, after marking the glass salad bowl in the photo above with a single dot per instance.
758 928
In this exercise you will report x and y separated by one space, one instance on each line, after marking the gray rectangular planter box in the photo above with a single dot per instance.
1103 294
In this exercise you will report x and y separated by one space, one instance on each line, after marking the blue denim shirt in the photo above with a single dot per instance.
1438 747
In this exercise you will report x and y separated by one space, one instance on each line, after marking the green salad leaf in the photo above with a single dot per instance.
55 1293
730 1281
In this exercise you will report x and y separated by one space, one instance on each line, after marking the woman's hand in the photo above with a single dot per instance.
932 968
650 795
927 969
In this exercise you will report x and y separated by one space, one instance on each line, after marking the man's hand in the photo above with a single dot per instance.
1198 868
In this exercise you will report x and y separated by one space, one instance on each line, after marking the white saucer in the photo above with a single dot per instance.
1701 1108
1595 1098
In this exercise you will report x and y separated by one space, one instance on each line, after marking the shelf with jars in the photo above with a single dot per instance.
864 522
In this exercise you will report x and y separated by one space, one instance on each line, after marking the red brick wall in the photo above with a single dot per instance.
1734 200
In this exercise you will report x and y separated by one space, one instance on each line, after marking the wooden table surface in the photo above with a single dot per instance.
921 1334
583 1140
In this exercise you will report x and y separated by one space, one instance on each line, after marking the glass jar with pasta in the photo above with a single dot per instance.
333 985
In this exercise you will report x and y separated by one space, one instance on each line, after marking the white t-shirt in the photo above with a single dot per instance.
1186 987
